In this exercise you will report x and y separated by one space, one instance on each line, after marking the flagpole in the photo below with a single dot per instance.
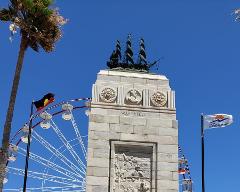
202 136
28 149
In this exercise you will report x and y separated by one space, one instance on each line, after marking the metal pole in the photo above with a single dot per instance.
28 149
202 136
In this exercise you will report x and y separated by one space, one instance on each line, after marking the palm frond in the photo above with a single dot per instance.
5 15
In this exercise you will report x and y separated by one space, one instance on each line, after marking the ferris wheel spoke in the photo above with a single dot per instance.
49 164
74 124
68 145
65 188
44 176
72 187
82 190
50 189
58 154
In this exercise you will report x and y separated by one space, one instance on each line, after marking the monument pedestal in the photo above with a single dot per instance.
133 134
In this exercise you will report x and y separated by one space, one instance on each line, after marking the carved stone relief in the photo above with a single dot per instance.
159 99
133 97
108 95
132 172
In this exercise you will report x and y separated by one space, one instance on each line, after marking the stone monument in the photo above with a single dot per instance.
133 134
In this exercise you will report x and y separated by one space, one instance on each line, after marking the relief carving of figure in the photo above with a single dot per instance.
131 174
143 188
134 97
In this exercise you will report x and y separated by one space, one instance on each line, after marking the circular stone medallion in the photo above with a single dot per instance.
108 95
134 97
159 99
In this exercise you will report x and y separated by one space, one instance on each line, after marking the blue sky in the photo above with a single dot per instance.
199 41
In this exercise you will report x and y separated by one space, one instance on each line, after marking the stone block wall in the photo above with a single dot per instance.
133 134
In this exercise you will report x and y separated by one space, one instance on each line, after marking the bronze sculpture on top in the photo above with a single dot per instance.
116 61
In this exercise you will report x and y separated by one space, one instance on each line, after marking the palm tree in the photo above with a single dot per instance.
39 26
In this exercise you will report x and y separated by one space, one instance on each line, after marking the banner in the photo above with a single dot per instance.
217 120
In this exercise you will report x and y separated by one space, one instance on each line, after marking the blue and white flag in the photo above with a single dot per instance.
217 120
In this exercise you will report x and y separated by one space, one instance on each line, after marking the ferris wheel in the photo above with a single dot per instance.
58 156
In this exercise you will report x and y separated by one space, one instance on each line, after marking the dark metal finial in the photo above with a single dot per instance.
142 54
118 49
115 56
129 52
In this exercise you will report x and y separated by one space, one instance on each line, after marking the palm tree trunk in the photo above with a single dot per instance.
9 116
